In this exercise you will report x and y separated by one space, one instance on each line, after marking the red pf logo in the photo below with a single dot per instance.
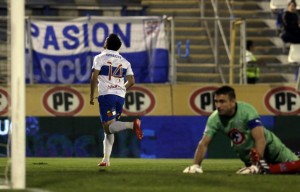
63 101
138 101
202 100
283 101
4 102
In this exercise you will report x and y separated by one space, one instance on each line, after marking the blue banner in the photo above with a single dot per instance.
62 52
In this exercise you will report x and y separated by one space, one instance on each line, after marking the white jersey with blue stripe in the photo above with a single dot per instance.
113 69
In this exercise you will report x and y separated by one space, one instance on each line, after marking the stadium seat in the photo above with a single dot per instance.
294 56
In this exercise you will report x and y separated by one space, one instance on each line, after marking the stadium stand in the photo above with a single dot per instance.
199 67
294 56
3 39
84 7
282 4
278 4
62 9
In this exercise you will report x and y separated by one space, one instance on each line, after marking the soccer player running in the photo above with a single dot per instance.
259 149
109 71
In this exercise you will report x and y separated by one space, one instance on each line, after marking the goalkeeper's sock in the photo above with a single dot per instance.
107 146
117 126
287 167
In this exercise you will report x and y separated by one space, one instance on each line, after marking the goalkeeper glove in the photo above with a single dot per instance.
253 169
259 162
193 169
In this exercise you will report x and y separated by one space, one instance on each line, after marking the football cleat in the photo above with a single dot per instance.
137 129
104 164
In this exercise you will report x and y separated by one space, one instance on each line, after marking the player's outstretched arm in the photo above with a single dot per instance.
199 156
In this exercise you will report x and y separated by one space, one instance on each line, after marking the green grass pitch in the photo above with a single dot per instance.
136 175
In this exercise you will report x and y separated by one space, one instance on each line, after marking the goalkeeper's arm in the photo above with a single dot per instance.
257 134
199 156
201 149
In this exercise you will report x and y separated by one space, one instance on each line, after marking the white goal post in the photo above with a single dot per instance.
18 145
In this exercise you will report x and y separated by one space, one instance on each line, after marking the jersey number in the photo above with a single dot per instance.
118 70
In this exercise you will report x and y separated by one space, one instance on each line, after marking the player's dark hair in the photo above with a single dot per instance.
226 90
113 42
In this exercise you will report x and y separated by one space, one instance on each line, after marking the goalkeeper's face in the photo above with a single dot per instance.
224 104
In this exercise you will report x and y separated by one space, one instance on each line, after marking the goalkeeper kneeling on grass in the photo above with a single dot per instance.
259 149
